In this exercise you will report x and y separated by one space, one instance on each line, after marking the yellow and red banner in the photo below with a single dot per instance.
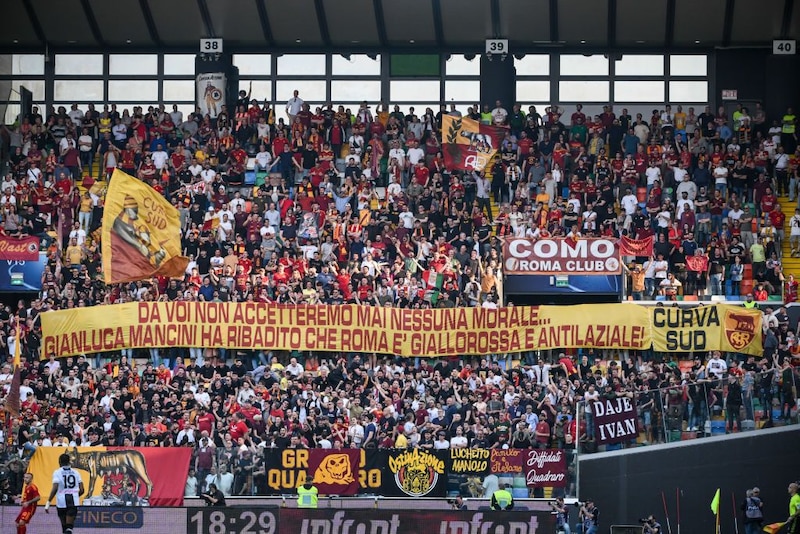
722 327
141 234
115 476
468 144
397 331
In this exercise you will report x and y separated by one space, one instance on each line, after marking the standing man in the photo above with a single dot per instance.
294 106
794 509
67 489
29 501
307 494
502 498
753 511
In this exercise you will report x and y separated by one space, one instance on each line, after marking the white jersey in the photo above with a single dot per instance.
69 482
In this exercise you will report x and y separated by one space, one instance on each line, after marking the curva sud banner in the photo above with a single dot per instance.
401 332
157 475
294 521
561 256
615 420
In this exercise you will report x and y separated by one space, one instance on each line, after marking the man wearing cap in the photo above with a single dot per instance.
589 516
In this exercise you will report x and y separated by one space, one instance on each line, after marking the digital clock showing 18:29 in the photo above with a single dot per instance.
232 521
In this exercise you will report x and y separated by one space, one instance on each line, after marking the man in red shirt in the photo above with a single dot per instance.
778 220
29 501
238 428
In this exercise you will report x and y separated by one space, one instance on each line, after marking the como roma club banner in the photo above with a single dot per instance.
158 474
141 233
561 256
468 144
211 93
397 331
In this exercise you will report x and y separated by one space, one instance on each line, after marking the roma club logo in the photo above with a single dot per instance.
335 469
740 329
415 472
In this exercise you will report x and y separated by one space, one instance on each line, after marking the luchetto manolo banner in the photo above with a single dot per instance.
401 332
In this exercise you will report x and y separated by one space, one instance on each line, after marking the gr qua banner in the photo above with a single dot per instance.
615 420
113 476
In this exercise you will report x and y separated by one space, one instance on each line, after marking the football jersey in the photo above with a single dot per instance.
69 482
29 493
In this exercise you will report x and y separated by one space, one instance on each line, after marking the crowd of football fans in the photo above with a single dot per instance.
331 206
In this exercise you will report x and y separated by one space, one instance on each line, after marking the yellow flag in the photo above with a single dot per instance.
715 503
141 233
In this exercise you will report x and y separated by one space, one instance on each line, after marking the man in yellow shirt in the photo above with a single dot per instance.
74 253
794 508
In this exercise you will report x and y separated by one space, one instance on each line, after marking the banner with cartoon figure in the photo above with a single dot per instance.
414 473
211 93
142 476
468 144
334 472
141 233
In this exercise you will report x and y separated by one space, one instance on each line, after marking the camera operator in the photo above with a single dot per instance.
589 517
562 515
458 503
650 525
213 497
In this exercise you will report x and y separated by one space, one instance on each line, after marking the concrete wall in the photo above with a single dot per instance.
628 485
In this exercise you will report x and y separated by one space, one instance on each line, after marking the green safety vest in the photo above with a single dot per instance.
503 498
788 124
307 497
486 118
749 304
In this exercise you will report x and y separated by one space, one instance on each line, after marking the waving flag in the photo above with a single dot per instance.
468 144
698 264
141 233
636 247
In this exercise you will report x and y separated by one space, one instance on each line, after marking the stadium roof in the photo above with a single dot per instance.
376 24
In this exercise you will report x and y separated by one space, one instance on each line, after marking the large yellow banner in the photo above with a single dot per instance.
141 232
722 327
402 332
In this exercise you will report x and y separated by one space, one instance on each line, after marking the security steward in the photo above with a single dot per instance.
502 498
307 494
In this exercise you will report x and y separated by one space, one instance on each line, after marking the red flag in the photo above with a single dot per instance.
334 472
698 264
636 247
210 224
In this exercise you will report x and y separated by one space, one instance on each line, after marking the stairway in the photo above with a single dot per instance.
790 265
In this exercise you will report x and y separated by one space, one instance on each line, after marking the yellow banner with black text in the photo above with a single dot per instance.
401 332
